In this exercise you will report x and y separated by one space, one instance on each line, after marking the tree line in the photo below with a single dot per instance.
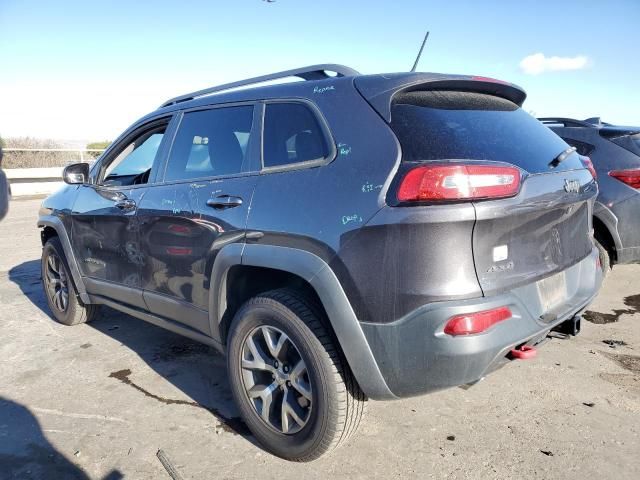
44 159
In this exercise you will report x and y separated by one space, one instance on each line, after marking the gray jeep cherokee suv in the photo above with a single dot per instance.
341 238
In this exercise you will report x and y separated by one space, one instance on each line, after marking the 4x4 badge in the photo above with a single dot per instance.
571 186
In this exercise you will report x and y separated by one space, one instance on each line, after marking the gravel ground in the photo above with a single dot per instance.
100 400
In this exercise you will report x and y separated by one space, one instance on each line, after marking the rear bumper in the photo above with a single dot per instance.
415 356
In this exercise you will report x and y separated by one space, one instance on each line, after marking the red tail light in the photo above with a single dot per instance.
588 164
458 182
471 323
630 177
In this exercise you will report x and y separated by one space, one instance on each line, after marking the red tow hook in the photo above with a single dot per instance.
525 352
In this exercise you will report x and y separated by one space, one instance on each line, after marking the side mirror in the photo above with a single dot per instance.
4 194
76 173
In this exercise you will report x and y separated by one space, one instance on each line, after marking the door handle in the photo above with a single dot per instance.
126 204
224 201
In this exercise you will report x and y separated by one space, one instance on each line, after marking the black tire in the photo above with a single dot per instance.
74 311
337 404
605 259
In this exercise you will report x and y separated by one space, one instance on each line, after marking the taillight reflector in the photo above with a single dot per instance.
179 229
588 164
630 177
179 251
458 182
477 322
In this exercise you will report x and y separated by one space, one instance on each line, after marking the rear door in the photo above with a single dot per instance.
200 206
546 227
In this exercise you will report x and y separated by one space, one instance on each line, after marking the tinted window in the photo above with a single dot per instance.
438 125
629 142
581 147
210 143
133 163
292 134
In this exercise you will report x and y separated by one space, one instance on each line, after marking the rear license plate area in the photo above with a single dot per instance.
552 291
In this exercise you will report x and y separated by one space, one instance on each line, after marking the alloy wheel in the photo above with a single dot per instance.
276 379
56 283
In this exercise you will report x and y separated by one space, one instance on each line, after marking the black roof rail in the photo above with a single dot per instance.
312 72
567 122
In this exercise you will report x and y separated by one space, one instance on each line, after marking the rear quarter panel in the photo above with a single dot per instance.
323 209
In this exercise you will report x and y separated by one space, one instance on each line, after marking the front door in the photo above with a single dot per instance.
200 206
104 231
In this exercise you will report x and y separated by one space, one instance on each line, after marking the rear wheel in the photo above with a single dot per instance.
290 383
62 298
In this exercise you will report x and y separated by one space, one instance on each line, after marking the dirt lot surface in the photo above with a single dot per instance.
98 401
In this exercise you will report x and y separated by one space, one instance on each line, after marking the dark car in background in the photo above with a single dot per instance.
5 192
339 238
615 153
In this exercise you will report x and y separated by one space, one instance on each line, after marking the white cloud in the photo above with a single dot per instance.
537 63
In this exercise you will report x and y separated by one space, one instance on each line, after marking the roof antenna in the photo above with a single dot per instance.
420 52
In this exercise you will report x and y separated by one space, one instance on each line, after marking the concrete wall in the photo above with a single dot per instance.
34 181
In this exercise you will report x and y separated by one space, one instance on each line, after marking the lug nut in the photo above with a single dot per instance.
288 383
275 364
285 368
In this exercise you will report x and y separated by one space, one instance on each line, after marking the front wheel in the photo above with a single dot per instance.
62 298
292 387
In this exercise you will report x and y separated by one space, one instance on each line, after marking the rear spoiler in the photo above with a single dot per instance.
614 132
379 90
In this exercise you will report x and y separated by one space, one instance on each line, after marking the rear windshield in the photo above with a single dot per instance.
629 142
448 125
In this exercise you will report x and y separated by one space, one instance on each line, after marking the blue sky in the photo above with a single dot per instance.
76 70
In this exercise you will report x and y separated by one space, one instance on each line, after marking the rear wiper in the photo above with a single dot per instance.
562 157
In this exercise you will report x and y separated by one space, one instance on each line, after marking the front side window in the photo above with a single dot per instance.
292 134
210 143
132 165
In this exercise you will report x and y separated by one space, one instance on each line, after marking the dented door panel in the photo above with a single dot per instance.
181 236
104 235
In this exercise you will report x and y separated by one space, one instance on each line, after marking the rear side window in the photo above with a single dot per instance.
210 143
292 134
450 125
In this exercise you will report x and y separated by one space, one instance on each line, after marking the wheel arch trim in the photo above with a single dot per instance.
610 222
55 223
323 280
